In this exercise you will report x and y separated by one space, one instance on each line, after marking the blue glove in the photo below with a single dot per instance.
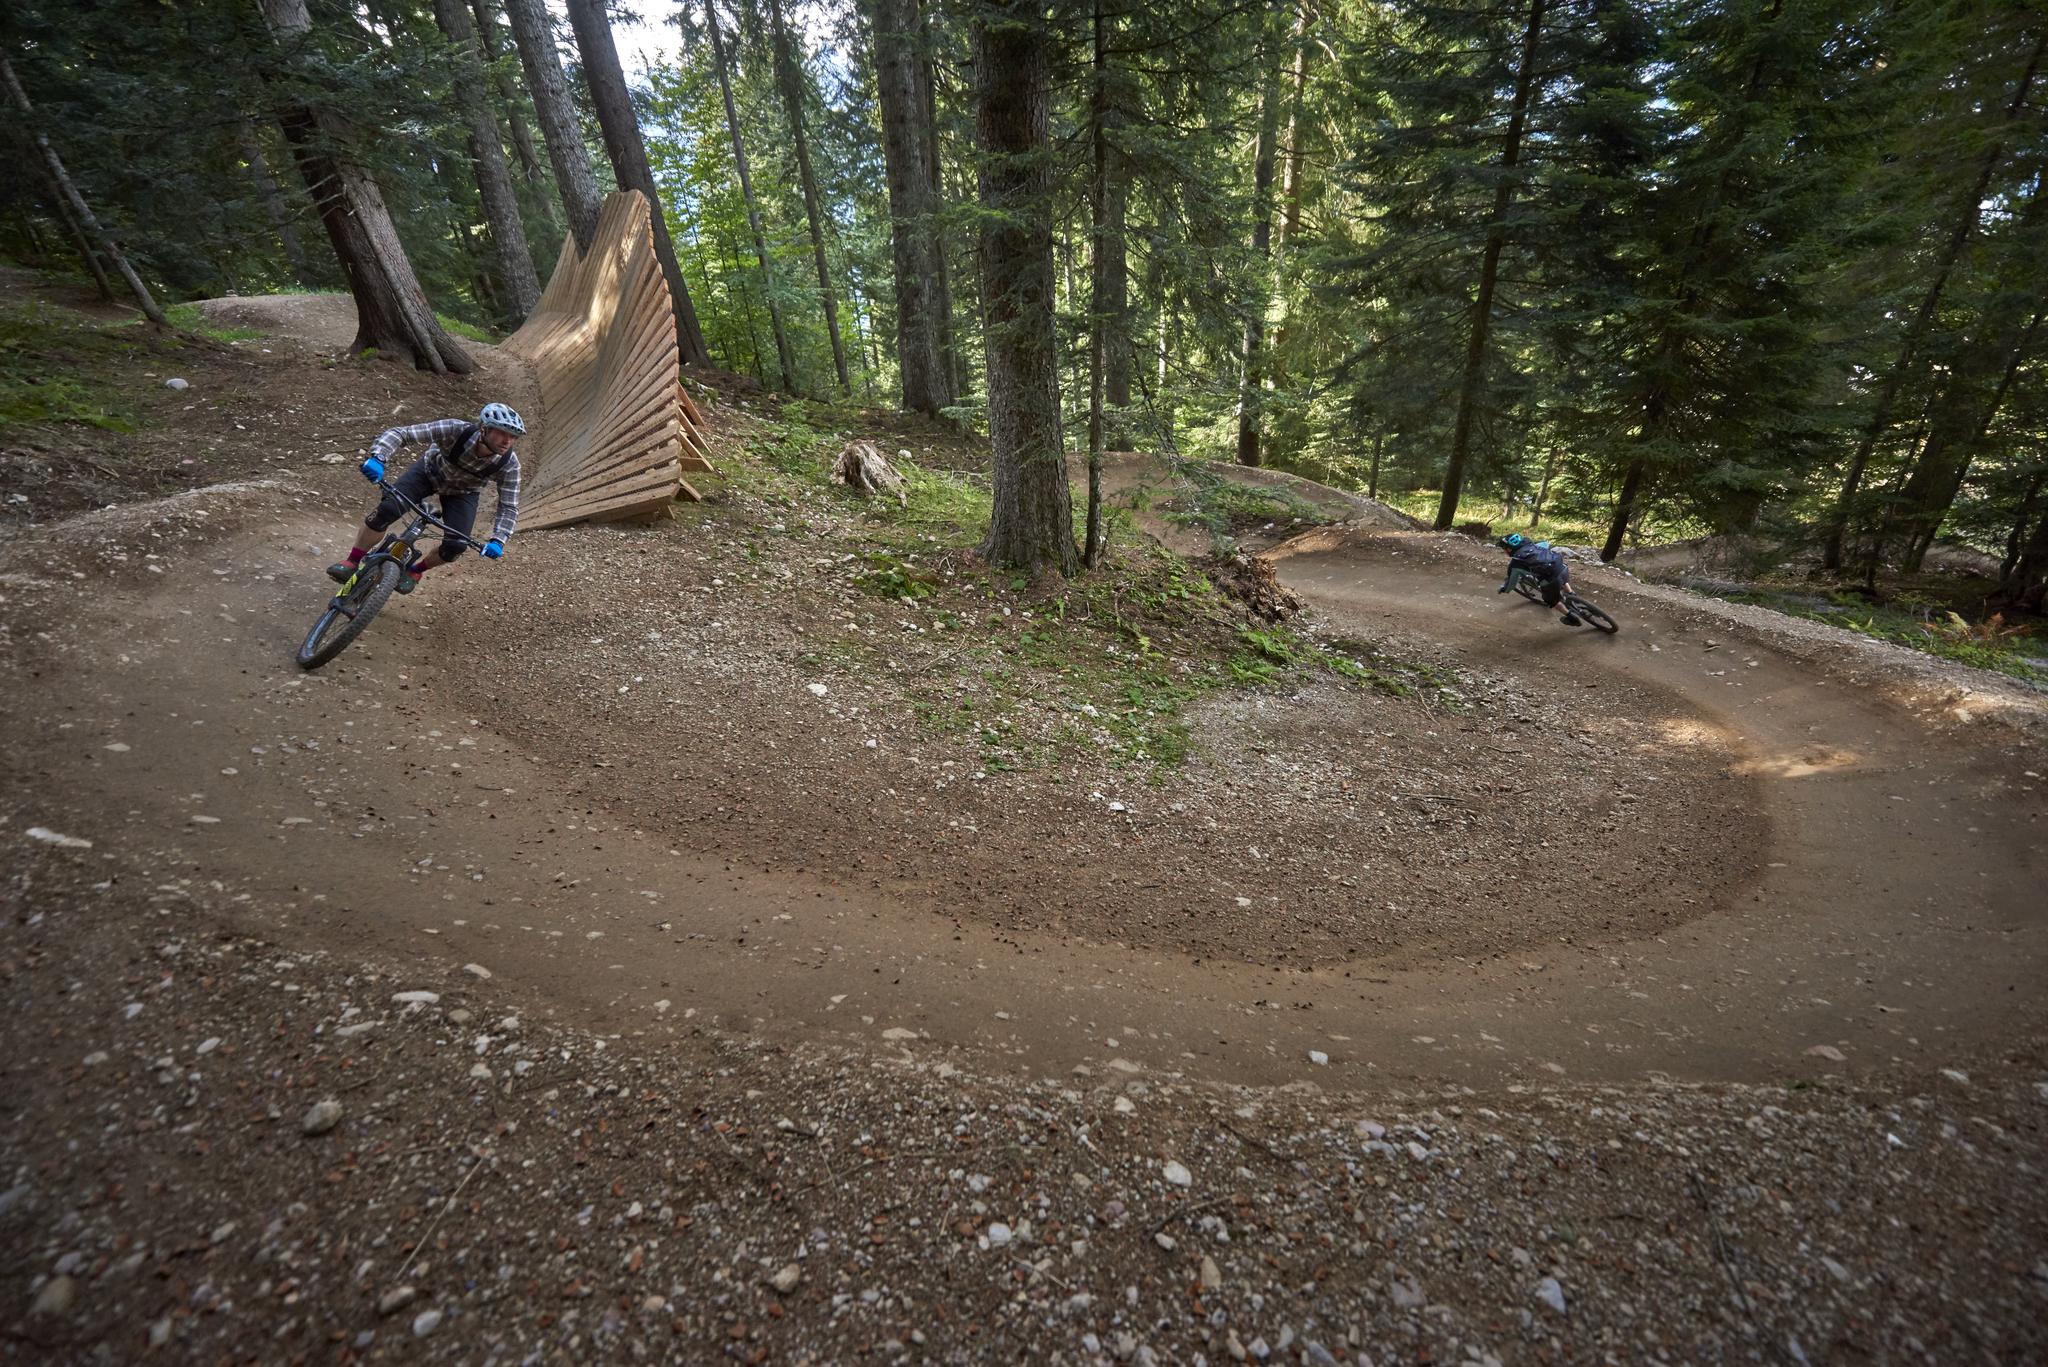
373 469
493 548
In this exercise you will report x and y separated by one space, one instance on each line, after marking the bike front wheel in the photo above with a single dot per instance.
348 614
1593 617
1528 588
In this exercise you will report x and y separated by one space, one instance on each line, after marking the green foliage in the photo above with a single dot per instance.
55 367
191 318
2009 648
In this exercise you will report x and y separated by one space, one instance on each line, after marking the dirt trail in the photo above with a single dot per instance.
1892 916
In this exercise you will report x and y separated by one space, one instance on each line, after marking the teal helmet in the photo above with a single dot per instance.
1511 542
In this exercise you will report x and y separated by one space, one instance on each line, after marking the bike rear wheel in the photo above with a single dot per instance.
346 616
1528 588
1592 616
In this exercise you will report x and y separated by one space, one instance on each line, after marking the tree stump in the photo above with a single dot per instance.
864 469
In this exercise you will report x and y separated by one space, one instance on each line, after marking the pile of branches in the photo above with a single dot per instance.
1252 581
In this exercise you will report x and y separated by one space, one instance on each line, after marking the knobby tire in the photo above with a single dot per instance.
1592 616
336 629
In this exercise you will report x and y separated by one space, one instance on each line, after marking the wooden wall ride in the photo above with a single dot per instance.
617 430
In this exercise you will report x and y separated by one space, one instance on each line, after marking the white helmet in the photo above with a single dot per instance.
501 415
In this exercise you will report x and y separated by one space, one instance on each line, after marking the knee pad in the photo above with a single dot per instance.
450 550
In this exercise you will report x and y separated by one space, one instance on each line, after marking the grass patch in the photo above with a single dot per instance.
468 330
1106 667
57 367
1995 644
191 318
1226 509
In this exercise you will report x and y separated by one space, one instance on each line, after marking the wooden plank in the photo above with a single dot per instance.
617 430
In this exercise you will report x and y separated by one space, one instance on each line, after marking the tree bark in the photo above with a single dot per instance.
1251 388
392 312
559 127
1543 489
272 196
739 157
1098 288
1969 209
487 155
629 158
942 264
530 169
788 76
79 240
1031 522
926 379
69 192
1473 379
1624 508
1961 421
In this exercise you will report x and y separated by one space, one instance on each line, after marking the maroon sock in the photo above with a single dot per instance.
355 555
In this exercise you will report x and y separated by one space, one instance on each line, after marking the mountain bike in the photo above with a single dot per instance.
366 592
1530 588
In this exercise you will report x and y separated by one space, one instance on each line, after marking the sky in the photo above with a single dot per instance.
651 40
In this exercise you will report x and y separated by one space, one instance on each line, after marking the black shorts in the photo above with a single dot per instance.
457 510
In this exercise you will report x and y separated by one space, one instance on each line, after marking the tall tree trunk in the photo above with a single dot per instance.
739 157
2030 502
1290 191
487 154
392 312
1251 387
79 208
271 194
1473 379
1961 422
629 158
1543 489
1290 179
2025 586
1625 508
530 169
1379 444
1968 210
559 128
789 77
79 239
942 265
1031 521
927 380
1098 303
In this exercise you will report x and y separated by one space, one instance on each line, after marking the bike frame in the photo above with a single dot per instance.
402 547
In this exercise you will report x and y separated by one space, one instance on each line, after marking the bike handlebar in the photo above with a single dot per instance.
447 532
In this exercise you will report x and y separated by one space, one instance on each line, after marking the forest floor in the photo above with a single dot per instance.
768 934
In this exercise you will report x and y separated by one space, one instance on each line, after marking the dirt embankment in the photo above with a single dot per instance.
1671 995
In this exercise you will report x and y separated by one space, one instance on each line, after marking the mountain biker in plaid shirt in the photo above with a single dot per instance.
461 457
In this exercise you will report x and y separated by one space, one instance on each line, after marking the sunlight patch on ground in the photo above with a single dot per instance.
1801 764
1693 733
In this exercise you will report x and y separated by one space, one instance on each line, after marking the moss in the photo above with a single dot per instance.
58 367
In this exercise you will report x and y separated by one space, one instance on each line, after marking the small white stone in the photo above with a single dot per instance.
998 1234
1178 1174
476 971
785 1280
62 842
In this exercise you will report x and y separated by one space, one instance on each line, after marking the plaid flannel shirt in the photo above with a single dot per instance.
458 471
